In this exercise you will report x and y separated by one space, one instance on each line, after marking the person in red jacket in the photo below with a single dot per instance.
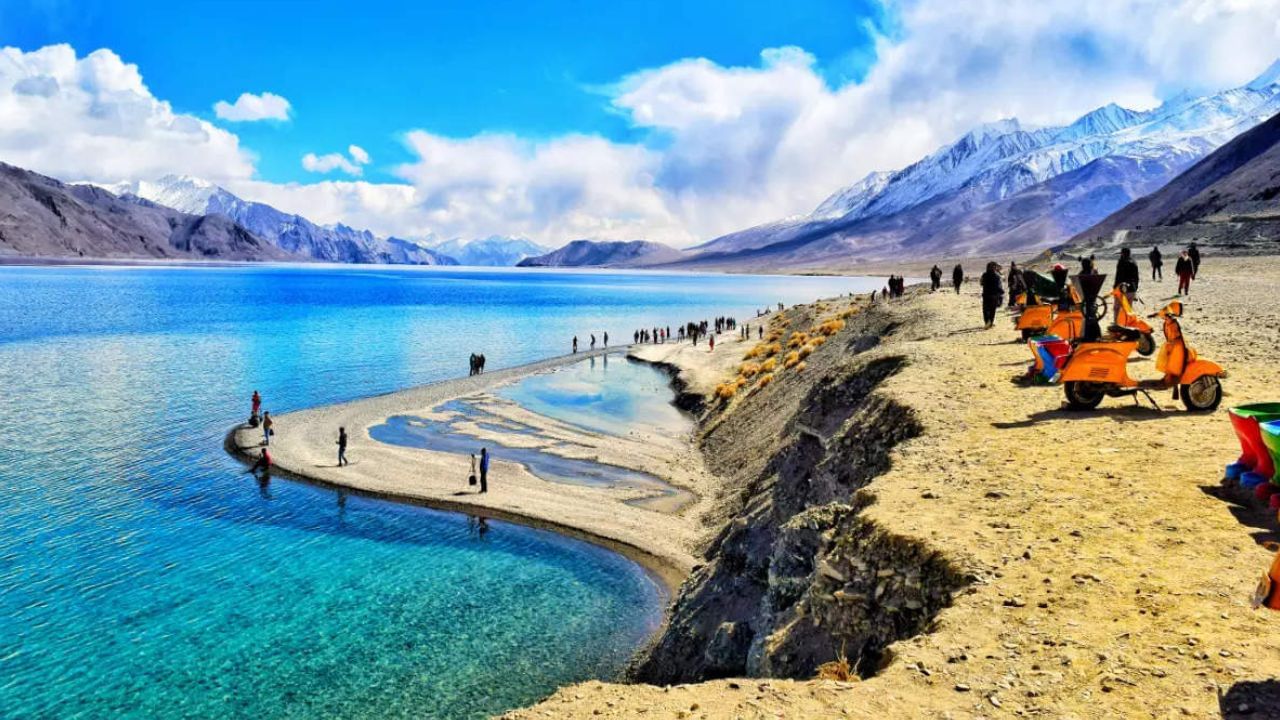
1185 270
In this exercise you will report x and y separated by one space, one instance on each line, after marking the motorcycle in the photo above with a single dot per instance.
1099 369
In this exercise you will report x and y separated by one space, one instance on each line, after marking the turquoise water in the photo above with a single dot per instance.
144 574
611 394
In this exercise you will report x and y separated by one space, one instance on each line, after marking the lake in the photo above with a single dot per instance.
144 573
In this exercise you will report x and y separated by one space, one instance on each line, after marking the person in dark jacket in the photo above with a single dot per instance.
1193 252
1127 271
1185 270
935 278
992 294
957 277
484 470
1157 263
1017 284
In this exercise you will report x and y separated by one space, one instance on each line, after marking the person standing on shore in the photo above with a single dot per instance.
1157 263
342 447
992 293
1127 272
711 340
606 339
1193 252
935 279
257 407
1185 271
1016 283
267 432
593 341
957 277
484 470
575 344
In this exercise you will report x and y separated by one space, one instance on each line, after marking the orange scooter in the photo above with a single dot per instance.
1128 326
1099 369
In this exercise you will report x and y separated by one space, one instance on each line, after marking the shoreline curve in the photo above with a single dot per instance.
660 543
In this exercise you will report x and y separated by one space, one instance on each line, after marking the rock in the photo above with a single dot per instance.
961 687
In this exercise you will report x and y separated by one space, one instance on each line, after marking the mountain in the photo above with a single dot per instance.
591 253
1003 187
43 218
292 233
1230 199
493 251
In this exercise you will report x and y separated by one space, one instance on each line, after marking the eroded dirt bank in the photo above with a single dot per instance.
902 500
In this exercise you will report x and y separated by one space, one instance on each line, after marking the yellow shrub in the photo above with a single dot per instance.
797 339
748 369
793 357
766 379
804 351
817 341
773 348
831 327
800 366
724 391
768 365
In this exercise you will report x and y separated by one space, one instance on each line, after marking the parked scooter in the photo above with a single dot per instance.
1100 368
1128 326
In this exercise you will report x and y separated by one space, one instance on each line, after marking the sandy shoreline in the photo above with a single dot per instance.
660 537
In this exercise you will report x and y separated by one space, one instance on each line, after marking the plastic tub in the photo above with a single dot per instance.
1254 458
1271 439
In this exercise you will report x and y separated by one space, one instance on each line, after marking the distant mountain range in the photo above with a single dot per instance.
1002 187
592 253
43 218
294 234
1230 199
493 251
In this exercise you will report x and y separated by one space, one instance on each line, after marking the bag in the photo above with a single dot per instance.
471 480
271 432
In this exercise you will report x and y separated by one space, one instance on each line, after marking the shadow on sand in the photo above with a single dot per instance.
1251 699
1248 512
1133 413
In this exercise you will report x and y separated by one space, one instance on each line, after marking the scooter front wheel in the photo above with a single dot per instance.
1146 344
1083 395
1202 395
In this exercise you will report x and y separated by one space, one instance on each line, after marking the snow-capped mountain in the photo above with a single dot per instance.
492 251
1001 181
291 233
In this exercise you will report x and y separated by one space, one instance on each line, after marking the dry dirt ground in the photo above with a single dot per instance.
1113 571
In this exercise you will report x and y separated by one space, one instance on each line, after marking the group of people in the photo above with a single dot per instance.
935 278
895 286
592 338
477 363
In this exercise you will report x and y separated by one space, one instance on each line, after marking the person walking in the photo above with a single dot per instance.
957 277
1185 270
992 294
1127 271
342 447
267 432
484 470
935 279
1157 263
1193 252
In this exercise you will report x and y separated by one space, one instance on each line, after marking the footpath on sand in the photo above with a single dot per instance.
661 538
1112 576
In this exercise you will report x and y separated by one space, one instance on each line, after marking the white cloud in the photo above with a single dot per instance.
92 118
722 147
252 108
337 161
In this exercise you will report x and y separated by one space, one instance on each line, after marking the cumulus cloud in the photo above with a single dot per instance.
92 118
337 161
252 108
720 147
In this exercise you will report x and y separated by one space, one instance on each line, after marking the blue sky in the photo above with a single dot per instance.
366 72
668 121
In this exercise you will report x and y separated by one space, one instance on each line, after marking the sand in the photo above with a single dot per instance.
1112 575
660 535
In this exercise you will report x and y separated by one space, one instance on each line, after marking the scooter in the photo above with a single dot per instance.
1128 326
1099 369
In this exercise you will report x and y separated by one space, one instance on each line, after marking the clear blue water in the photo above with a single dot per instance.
144 574
610 394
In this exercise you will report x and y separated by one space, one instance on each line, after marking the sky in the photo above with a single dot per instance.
558 120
